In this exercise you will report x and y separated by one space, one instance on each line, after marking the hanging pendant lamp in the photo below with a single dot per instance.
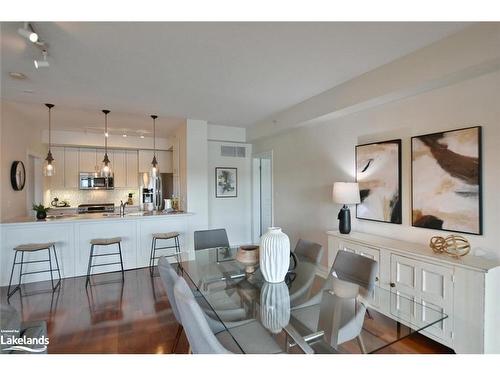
106 163
154 163
48 166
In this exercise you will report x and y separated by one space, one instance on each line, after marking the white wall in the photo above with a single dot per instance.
19 138
308 160
234 214
226 133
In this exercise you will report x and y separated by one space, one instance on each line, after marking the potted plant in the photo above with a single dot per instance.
41 211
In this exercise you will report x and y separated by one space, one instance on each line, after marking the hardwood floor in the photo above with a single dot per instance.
133 316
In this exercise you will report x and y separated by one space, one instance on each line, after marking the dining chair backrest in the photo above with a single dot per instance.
355 268
200 336
312 250
212 238
169 277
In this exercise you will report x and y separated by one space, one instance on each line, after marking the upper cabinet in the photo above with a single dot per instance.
57 180
71 171
164 159
132 180
119 168
88 160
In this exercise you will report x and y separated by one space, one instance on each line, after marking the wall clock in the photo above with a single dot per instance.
17 175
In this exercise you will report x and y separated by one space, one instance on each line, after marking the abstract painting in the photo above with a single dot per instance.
378 173
446 181
226 182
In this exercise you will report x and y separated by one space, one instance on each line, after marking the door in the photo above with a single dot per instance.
263 193
428 284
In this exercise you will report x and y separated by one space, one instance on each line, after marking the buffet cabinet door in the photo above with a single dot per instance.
428 284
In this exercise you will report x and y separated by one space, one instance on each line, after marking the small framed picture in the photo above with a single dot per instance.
226 182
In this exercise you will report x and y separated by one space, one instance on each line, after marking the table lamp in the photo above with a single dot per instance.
345 193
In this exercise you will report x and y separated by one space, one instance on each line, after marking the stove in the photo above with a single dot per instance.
96 207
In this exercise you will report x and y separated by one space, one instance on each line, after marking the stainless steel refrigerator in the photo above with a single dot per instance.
161 186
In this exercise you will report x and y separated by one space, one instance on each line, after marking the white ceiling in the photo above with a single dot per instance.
226 73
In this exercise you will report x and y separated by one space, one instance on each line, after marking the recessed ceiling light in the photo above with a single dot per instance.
124 135
142 136
106 134
17 75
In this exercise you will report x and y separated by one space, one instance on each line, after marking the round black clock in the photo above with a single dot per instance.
17 175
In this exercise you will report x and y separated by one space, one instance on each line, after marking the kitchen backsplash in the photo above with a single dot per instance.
76 196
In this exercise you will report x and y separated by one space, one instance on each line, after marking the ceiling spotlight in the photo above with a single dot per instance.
124 135
44 63
106 134
142 136
28 32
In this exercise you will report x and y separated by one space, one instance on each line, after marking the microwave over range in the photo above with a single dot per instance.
92 181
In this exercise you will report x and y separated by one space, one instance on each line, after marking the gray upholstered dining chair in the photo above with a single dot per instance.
169 277
201 338
211 238
311 250
348 270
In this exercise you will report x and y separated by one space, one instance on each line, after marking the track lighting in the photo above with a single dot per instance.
28 32
44 63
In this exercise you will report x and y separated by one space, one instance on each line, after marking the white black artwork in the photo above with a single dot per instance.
446 180
378 173
226 182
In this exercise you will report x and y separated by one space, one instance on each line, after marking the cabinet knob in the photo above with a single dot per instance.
392 285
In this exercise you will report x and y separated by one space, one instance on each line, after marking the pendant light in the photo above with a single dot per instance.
48 166
154 163
105 166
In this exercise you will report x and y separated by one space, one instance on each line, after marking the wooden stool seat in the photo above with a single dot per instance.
34 246
165 236
105 241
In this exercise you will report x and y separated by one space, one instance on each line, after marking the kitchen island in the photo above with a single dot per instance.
72 234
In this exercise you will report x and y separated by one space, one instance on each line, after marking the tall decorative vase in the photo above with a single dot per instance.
274 255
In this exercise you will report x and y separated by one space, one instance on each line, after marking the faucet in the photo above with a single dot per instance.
122 208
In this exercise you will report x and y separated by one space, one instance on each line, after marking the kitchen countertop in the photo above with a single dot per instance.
63 217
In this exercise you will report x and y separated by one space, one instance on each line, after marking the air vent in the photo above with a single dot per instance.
233 151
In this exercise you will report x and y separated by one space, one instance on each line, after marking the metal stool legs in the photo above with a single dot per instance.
93 255
10 292
153 256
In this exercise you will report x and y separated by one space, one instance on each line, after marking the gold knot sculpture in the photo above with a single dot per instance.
453 245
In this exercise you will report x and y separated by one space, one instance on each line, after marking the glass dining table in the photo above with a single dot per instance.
303 314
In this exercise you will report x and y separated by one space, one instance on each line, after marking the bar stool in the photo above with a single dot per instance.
104 242
163 236
31 248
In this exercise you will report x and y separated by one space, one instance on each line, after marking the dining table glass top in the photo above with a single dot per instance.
305 313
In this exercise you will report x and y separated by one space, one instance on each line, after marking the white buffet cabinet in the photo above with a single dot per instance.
466 289
72 238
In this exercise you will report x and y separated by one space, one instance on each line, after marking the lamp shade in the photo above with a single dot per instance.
346 193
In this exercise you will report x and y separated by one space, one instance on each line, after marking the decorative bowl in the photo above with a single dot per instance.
249 256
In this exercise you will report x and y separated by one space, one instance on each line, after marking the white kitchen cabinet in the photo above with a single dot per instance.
163 157
119 168
71 168
132 169
465 289
88 160
57 180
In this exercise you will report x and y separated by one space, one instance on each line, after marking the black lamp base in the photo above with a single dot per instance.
344 220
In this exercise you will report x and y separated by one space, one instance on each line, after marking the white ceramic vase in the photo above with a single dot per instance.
274 255
274 306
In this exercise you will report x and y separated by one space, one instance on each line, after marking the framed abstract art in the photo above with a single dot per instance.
378 173
446 180
226 182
